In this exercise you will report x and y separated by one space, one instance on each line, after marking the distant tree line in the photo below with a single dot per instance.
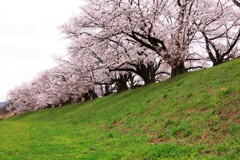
117 45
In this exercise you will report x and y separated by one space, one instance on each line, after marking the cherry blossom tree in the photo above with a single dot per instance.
220 28
21 99
55 87
117 45
164 27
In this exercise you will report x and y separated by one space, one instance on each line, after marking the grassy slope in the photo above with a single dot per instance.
194 116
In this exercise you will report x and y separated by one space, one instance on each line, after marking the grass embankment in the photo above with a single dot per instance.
193 116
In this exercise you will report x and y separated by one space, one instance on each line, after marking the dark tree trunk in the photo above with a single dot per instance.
178 69
131 81
107 90
86 97
92 94
121 86
217 63
50 105
147 72
69 101
148 78
79 99
218 59
121 82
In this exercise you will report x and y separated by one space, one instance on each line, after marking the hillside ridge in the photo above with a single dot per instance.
193 116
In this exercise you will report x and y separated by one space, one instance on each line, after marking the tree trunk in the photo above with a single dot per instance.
107 90
217 63
178 69
121 82
148 80
147 72
86 97
92 94
121 86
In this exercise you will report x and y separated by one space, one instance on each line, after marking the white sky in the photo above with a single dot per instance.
29 38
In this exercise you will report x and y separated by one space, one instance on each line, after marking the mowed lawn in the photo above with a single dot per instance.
193 116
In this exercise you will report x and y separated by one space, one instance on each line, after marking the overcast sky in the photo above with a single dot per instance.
29 38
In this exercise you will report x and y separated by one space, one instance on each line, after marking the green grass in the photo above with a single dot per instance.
193 116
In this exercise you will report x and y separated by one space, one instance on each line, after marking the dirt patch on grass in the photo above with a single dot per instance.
157 141
156 138
231 115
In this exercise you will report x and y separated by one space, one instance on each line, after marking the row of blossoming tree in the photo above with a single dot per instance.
120 44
